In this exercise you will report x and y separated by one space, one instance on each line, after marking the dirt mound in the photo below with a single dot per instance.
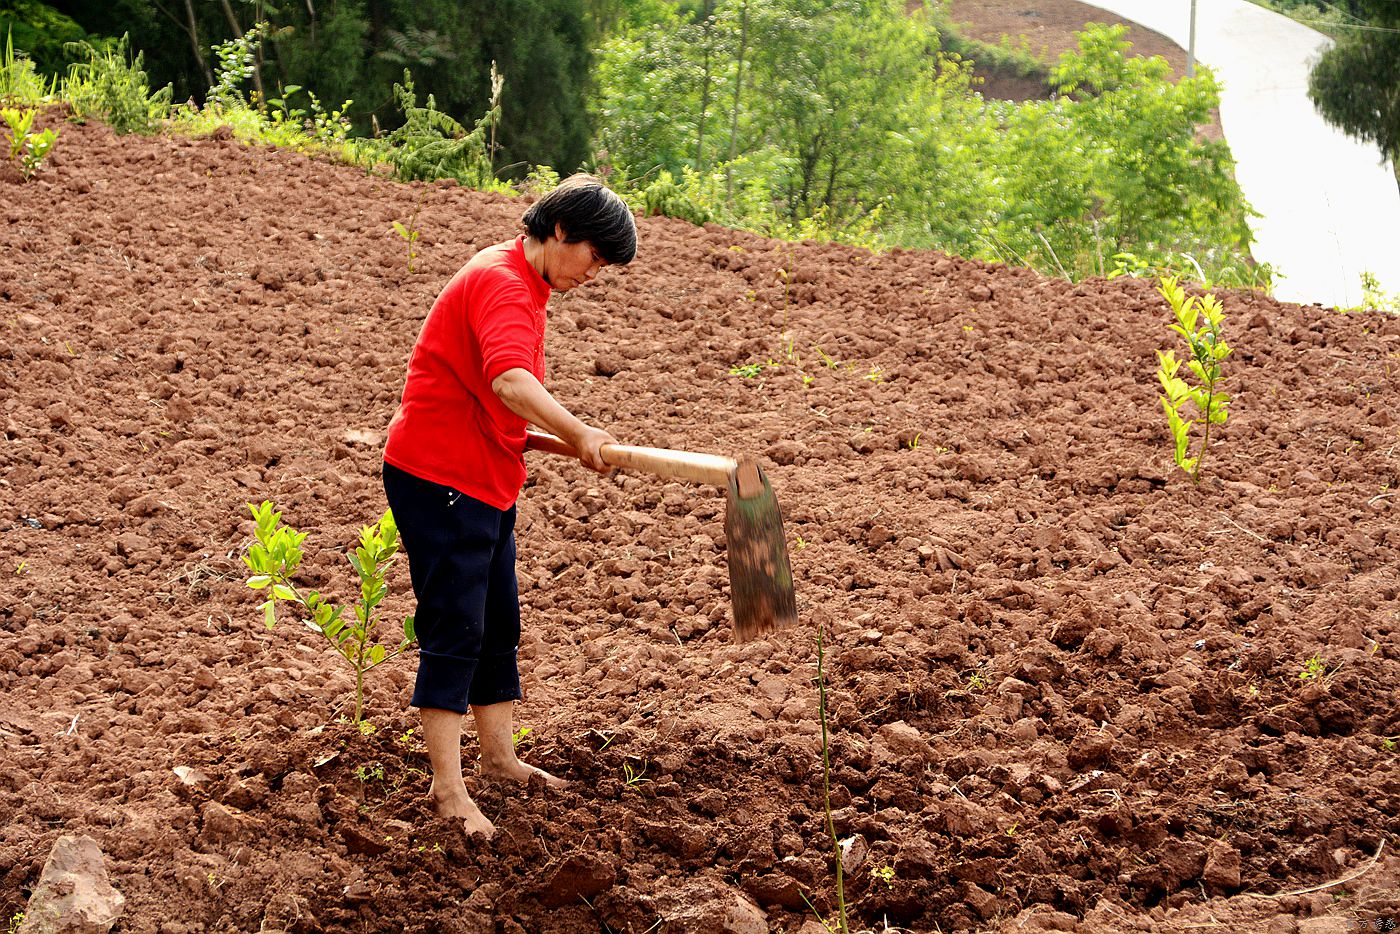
1066 686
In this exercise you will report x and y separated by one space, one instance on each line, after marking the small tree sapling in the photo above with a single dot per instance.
274 560
1206 340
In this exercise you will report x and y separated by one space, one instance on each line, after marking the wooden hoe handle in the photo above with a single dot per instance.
711 469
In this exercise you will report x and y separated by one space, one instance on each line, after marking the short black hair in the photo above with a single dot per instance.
587 210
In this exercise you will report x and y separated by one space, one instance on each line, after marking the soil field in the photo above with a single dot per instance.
1066 684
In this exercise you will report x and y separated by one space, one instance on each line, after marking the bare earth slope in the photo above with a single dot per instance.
1066 685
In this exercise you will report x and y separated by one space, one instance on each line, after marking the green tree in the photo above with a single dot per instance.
1356 83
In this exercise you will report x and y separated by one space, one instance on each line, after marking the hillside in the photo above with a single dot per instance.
1066 684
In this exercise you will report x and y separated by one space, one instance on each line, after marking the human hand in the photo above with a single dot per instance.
589 445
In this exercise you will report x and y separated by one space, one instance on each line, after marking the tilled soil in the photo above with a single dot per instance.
1066 685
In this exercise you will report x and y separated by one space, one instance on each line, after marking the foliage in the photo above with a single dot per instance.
665 197
1353 83
409 232
1374 298
20 83
42 32
1200 322
431 144
274 560
111 84
28 149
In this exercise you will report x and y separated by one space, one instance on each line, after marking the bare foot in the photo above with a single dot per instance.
513 769
457 803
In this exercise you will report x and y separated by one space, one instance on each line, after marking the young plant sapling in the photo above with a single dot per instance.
28 149
1200 321
274 560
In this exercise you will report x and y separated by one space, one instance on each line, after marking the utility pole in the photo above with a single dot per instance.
1191 48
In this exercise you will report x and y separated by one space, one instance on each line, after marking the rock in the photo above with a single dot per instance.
73 895
899 739
776 889
712 908
359 840
1222 872
578 877
1090 750
854 850
221 824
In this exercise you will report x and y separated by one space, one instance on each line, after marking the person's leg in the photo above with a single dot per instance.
442 731
496 684
495 731
448 541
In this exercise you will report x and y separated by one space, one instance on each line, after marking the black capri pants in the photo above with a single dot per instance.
461 557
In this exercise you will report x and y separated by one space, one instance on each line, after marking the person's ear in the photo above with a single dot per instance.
559 231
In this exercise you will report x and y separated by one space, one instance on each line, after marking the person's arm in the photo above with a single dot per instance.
524 395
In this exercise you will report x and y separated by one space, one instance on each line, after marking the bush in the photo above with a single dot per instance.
112 85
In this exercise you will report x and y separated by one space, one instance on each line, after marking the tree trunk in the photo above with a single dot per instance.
708 12
734 115
193 30
238 34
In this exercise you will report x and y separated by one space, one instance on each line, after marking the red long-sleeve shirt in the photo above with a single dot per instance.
450 427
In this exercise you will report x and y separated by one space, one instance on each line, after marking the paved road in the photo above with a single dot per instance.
1331 208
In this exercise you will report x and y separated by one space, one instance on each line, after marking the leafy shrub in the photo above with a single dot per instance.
1206 340
432 145
274 560
20 83
112 85
28 149
664 197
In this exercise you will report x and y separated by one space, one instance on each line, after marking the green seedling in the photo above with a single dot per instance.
1313 669
876 374
274 560
28 149
370 773
1206 340
21 568
520 736
751 370
827 360
841 917
632 777
409 232
1388 744
883 874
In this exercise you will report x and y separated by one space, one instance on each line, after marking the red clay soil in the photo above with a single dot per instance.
1065 682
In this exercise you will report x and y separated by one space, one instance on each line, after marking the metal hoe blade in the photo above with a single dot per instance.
760 575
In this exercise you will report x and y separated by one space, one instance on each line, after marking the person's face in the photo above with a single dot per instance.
571 264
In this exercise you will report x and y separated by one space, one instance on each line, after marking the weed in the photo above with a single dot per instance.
827 360
1313 669
801 543
976 681
876 374
913 443
21 568
370 773
274 560
520 736
826 781
16 921
633 777
1206 340
410 232
751 370
20 83
112 84
1388 744
405 738
28 149
1373 298
883 874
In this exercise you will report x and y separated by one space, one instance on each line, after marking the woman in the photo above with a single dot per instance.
454 466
